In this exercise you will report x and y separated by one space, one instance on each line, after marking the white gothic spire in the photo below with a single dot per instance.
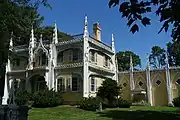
86 26
166 59
11 42
55 34
41 39
32 39
148 64
112 44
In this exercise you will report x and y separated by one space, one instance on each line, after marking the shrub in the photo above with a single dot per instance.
109 90
23 98
123 103
88 104
47 98
176 102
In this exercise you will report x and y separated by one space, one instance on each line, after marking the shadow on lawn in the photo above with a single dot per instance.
140 115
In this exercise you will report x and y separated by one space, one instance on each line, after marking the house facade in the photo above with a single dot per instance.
78 66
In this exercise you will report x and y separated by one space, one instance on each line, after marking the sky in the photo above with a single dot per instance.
69 17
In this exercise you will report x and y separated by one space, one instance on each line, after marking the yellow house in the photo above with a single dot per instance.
78 66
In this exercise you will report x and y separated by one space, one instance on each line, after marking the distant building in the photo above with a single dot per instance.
78 66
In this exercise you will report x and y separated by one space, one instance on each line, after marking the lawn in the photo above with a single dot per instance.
133 113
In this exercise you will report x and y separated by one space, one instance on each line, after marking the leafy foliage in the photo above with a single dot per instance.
89 104
47 98
176 102
136 10
22 98
123 58
18 17
174 53
123 103
40 99
109 90
157 57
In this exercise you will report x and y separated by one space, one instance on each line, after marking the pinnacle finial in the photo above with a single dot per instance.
41 36
86 33
112 37
55 34
112 42
86 20
11 42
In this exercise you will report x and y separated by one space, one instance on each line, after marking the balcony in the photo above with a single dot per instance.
100 68
66 65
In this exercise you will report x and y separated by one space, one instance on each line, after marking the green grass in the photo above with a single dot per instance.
133 113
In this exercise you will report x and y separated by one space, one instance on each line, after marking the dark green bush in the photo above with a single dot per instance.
176 102
88 104
47 98
22 98
123 103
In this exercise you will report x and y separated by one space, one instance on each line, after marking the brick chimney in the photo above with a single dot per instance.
97 31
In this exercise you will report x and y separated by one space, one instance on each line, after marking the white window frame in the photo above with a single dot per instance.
78 84
69 83
94 85
63 84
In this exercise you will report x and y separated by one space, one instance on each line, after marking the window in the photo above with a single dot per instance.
70 55
106 61
75 84
60 57
124 84
60 84
92 84
158 82
44 60
39 60
93 56
17 62
140 83
69 84
75 54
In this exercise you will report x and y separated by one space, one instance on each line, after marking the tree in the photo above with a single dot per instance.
157 57
15 16
123 59
174 53
135 11
109 90
47 32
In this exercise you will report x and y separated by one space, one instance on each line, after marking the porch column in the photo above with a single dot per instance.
148 79
149 87
85 59
168 82
6 92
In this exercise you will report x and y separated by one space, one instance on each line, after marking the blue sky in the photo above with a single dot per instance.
69 16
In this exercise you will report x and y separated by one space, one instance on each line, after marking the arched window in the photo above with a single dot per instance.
41 58
44 59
